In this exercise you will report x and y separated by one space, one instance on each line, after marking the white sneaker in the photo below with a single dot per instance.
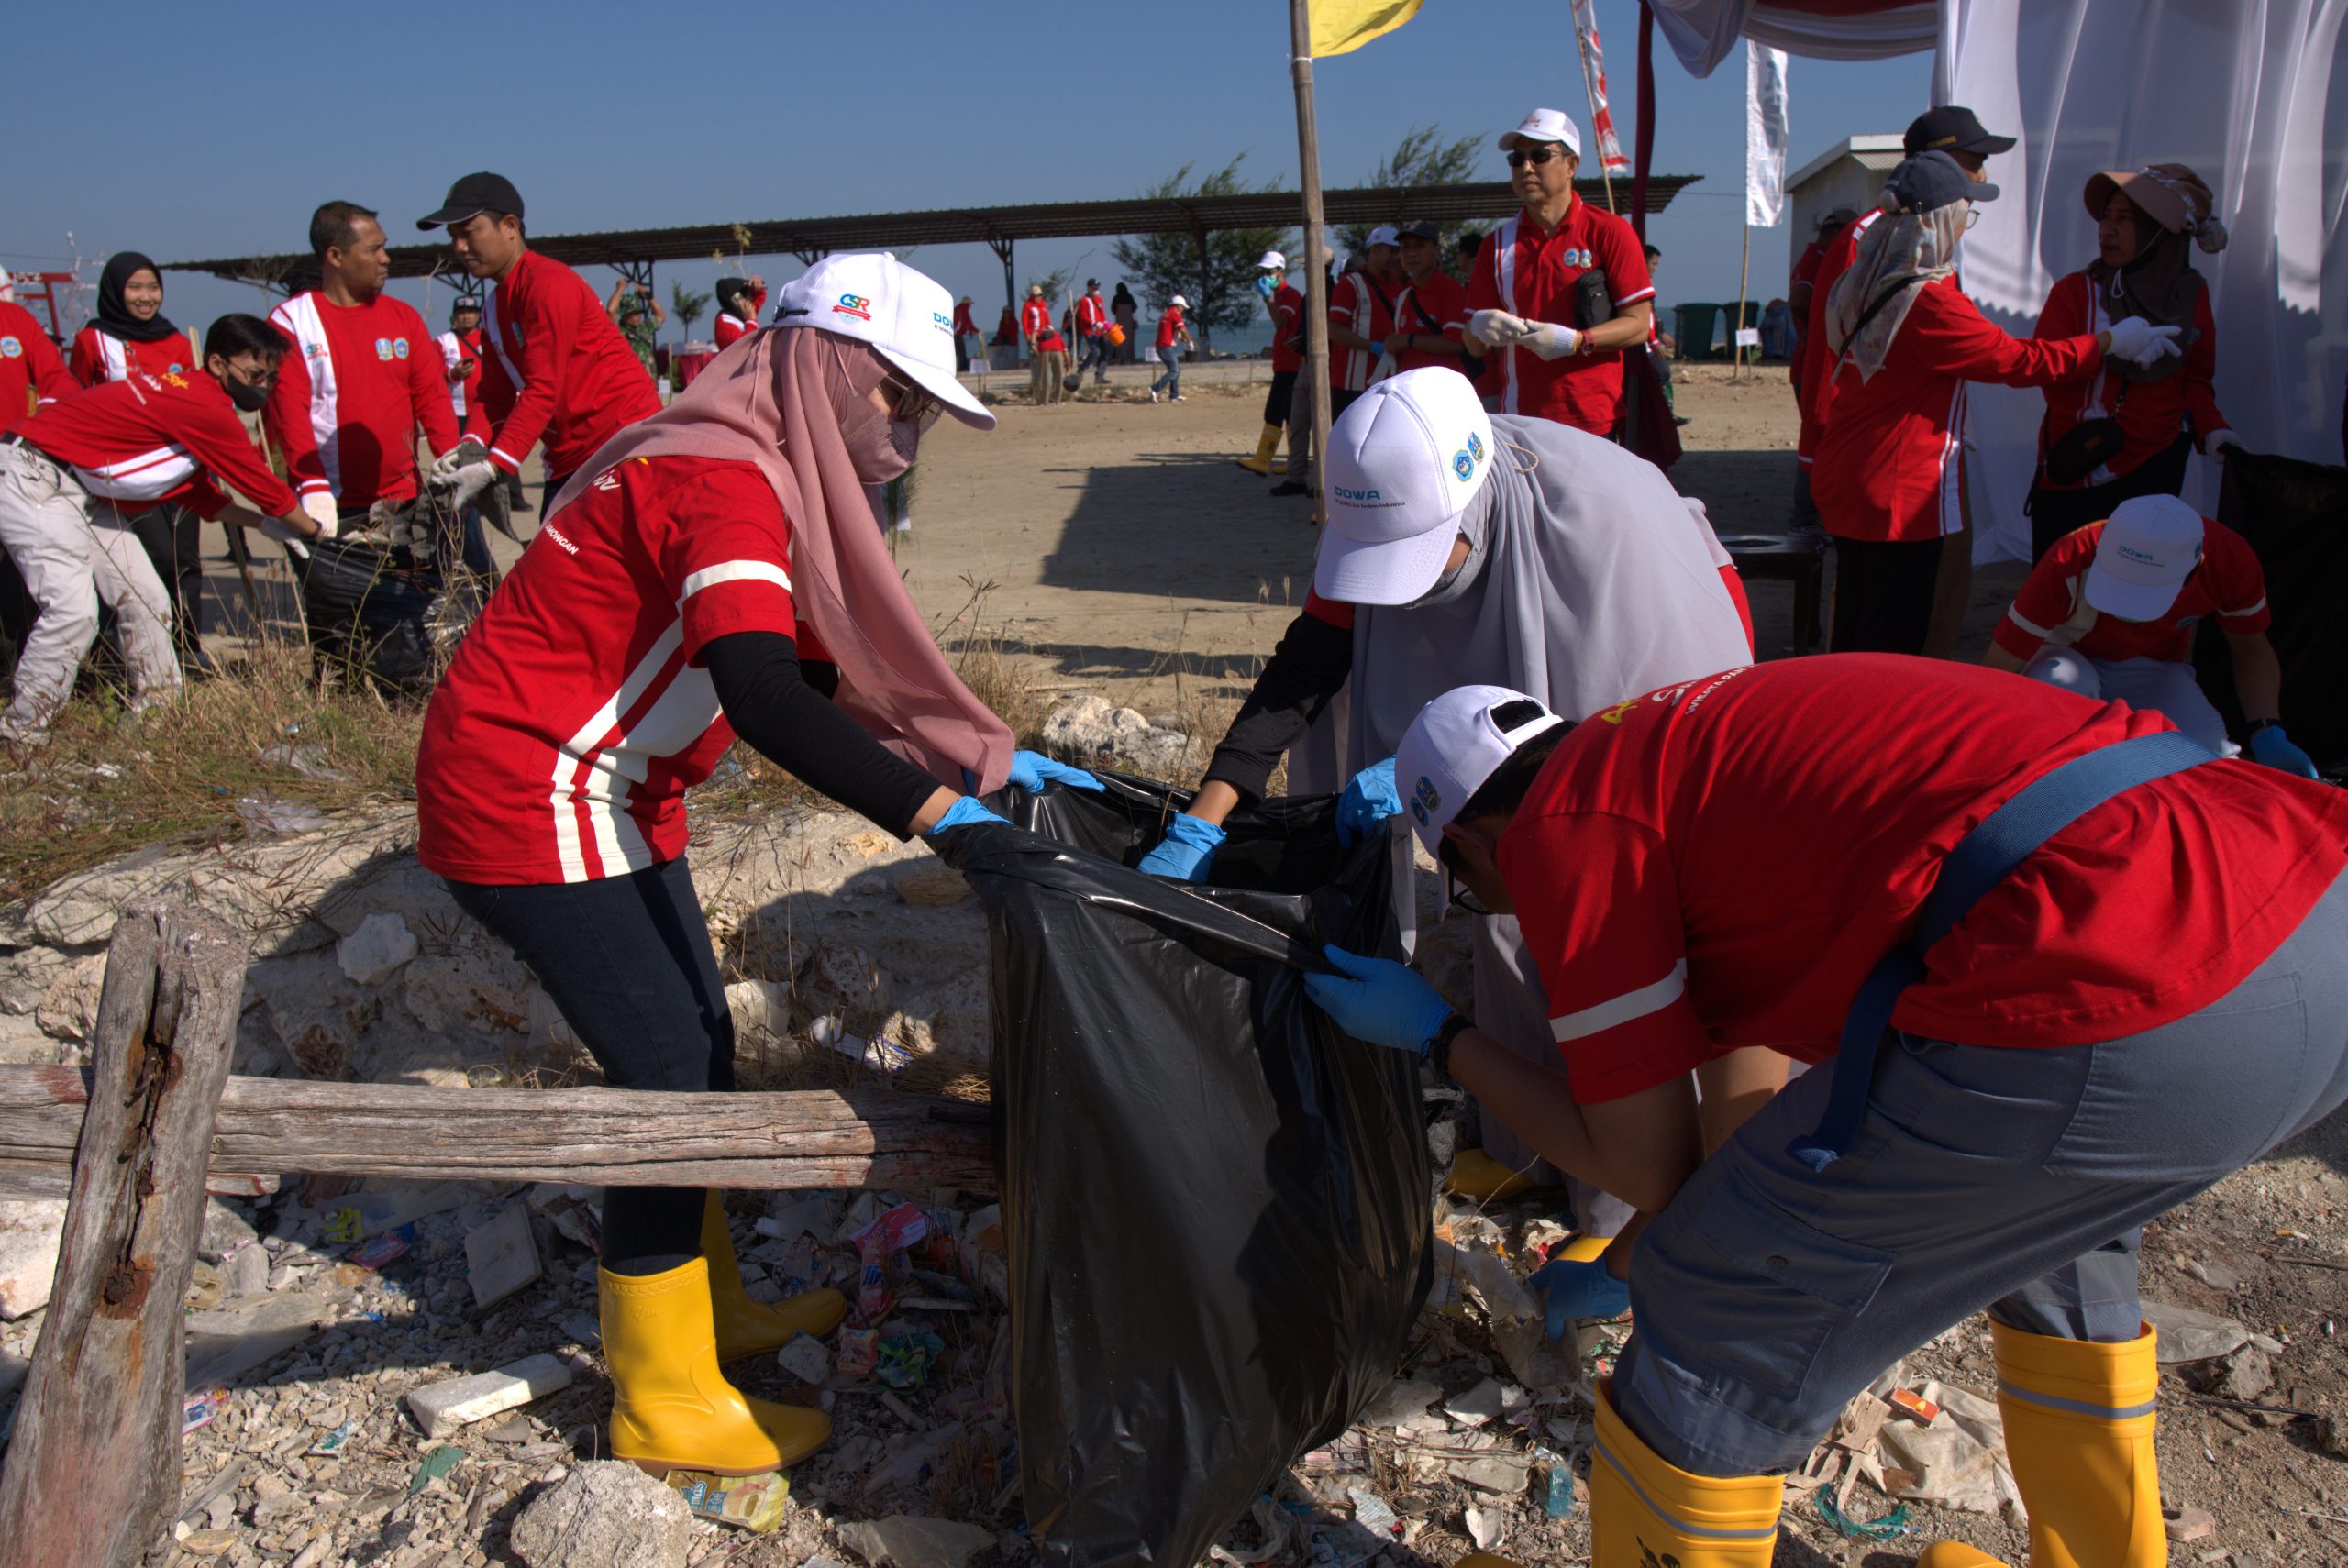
1178 397
1153 395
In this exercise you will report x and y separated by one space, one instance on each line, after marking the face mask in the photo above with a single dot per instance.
904 435
244 394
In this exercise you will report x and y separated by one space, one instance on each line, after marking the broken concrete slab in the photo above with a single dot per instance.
376 950
902 1541
2188 1335
441 1409
604 1514
500 1256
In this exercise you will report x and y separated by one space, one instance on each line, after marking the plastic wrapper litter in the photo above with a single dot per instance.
1216 1206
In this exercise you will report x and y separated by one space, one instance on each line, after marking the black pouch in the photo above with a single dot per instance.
2085 447
1215 1205
1593 300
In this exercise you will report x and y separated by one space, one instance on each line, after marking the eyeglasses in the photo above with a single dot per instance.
1535 155
913 405
1456 892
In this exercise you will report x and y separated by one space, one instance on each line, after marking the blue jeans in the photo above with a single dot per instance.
1171 379
1093 351
1767 1294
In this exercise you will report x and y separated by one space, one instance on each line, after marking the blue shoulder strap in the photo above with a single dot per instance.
1981 860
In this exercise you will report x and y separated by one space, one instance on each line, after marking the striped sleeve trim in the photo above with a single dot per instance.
734 571
501 455
2250 610
2014 614
1621 1009
1646 294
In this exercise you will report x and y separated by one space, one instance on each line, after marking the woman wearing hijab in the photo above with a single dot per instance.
739 300
132 334
2129 431
1468 548
1904 341
713 571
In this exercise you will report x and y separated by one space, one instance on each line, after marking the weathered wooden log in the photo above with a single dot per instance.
92 1473
859 1138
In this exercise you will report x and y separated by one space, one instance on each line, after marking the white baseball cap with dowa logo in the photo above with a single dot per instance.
1404 462
904 313
2149 547
1457 742
1545 125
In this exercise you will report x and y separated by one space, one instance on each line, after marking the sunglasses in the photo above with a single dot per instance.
1456 892
911 404
1534 155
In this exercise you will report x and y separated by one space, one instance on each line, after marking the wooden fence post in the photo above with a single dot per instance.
92 1475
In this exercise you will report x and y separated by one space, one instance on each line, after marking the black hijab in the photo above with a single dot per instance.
114 316
2160 285
733 297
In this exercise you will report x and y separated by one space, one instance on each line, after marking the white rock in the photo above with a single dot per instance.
2188 1335
30 1232
1476 1406
444 1408
1485 1526
604 1514
806 1358
901 1541
501 1256
375 952
1091 731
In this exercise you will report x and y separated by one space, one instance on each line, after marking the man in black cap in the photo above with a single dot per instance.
555 368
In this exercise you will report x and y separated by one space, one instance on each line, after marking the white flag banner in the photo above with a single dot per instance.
1766 136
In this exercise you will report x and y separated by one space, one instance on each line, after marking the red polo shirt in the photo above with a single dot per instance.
1434 306
558 370
2151 415
1529 273
1720 864
2228 583
1287 328
31 371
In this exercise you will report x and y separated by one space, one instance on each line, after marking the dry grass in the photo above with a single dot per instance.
109 782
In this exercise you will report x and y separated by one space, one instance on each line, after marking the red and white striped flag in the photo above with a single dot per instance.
1610 146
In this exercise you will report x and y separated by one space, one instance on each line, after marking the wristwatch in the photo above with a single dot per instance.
1439 1049
2260 726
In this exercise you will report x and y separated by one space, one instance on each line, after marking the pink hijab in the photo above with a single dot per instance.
791 400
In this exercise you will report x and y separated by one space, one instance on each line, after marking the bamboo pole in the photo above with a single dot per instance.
1316 256
1744 275
1589 90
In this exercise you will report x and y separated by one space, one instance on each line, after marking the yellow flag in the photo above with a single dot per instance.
1340 26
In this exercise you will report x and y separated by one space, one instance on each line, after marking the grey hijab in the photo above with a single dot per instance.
1588 580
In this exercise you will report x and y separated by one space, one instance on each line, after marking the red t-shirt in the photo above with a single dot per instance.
1169 327
1530 274
2228 584
32 372
1287 328
1887 467
1720 864
148 439
99 357
1817 387
355 385
560 744
963 325
731 329
2151 415
1805 271
1364 306
558 370
1439 298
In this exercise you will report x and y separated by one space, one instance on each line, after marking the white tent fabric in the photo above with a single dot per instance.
2241 93
1702 32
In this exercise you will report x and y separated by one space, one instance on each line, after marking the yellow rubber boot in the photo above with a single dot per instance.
755 1327
1474 1174
1952 1554
1266 445
1644 1511
671 1408
2079 1431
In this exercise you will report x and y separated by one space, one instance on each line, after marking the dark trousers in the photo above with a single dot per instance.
1093 351
628 960
1883 594
1278 398
172 536
475 551
2054 512
1338 402
552 488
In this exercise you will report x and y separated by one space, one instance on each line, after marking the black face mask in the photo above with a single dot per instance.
244 394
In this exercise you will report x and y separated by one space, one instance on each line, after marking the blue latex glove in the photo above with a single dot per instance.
1571 1290
965 811
1267 285
1368 801
2273 747
1186 852
1379 1000
1031 770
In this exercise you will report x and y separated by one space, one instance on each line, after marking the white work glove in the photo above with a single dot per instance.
2219 440
1549 340
321 508
460 486
468 449
2138 340
1496 328
235 516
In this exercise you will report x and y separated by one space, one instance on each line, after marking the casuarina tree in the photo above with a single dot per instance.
1218 276
1422 159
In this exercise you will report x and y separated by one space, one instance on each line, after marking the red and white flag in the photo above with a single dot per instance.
1601 118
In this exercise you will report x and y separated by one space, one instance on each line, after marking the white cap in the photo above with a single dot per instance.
1382 235
1405 460
1179 303
1453 746
1545 125
1273 261
2150 546
872 296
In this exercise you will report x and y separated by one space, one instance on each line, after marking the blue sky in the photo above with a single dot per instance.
618 117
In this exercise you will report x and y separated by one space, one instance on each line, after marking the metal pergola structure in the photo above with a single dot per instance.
634 252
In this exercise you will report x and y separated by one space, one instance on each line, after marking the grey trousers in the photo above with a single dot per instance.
2149 685
1767 1294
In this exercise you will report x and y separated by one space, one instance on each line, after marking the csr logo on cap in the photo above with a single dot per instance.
1464 461
856 306
1358 497
1423 799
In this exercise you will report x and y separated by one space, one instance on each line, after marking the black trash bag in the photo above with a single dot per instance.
2295 515
369 611
1216 1206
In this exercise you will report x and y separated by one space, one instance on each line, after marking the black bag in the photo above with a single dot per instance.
2085 447
369 611
1216 1206
2295 515
1593 300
